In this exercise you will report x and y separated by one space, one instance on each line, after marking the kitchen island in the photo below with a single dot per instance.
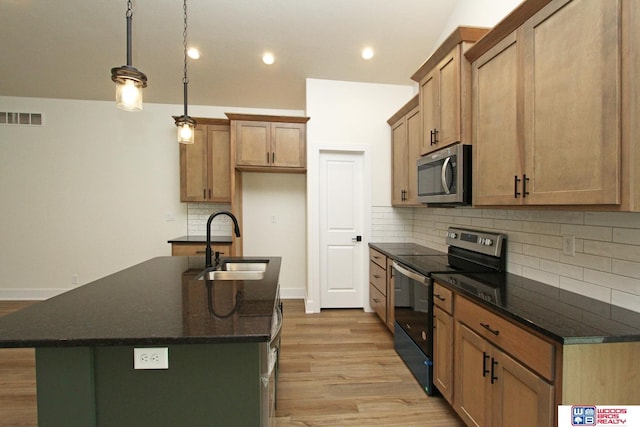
217 336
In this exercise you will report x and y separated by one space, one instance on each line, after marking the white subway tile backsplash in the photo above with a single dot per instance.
561 269
541 276
613 281
198 214
614 250
587 261
630 236
626 300
587 232
613 219
607 260
590 290
626 268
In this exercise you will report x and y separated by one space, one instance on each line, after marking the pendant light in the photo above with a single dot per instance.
129 81
186 125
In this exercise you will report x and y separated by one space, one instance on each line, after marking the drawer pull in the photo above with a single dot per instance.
488 328
440 297
200 252
376 300
485 357
376 276
493 367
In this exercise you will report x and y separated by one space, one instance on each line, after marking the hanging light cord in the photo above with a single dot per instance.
129 16
185 80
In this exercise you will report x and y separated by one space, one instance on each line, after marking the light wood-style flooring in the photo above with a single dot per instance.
337 368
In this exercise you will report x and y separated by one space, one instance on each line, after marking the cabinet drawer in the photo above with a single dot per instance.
523 345
378 257
378 302
443 298
378 277
198 249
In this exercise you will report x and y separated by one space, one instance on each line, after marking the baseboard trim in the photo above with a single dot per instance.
42 294
291 293
29 294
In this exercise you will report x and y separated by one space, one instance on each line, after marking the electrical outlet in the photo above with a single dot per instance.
151 358
74 279
569 245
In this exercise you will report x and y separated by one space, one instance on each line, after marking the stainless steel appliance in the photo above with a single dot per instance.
444 176
471 252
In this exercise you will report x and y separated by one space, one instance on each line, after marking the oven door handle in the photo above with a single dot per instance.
410 273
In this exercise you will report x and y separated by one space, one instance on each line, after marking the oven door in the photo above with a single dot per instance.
413 305
413 340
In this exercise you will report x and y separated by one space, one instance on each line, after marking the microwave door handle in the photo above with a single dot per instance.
443 175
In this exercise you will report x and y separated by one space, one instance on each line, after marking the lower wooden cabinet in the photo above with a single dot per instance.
381 286
443 352
493 389
198 249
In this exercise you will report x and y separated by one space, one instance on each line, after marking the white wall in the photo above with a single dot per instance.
274 215
476 13
88 193
348 116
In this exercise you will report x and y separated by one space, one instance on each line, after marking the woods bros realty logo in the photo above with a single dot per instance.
592 415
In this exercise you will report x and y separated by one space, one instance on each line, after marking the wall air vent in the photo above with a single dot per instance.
23 119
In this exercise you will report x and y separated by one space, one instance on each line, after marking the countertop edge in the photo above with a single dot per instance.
563 340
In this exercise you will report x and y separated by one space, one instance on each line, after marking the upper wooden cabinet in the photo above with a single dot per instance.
405 151
553 121
444 82
269 143
205 165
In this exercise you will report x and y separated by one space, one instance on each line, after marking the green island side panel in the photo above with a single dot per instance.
206 385
65 387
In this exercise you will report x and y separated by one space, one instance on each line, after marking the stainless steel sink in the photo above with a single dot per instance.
237 270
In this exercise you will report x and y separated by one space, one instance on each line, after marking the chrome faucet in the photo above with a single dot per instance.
207 254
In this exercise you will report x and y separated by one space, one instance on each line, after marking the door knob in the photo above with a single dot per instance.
357 239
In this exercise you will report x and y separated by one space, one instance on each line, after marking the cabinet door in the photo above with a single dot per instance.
448 130
399 153
520 396
428 111
497 156
414 130
288 147
472 367
253 143
443 353
572 60
391 318
219 154
193 168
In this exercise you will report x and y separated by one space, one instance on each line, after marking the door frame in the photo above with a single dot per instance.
312 294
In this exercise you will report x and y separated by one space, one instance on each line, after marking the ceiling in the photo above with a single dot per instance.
66 48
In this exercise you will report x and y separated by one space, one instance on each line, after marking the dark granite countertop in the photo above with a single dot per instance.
157 302
201 239
564 316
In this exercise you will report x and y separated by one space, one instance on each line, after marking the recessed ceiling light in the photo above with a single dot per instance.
193 53
268 58
367 53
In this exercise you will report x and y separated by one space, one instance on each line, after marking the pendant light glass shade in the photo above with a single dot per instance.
129 93
186 129
186 125
129 81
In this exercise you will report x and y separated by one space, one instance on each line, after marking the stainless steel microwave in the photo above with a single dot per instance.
444 176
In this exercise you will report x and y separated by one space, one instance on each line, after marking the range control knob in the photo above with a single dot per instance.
488 242
453 235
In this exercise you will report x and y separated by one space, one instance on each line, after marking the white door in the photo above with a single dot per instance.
341 222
